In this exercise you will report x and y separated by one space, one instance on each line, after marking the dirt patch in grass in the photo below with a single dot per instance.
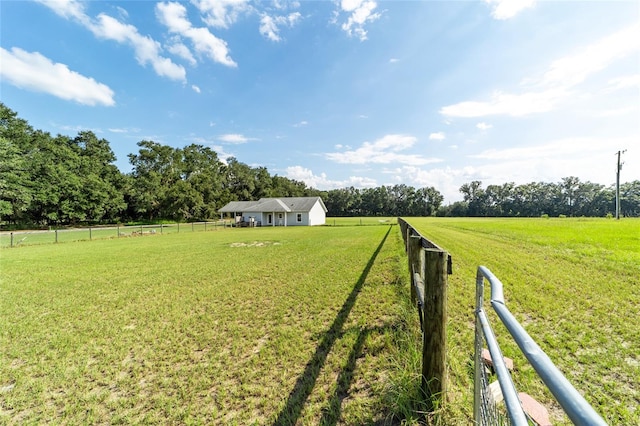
255 244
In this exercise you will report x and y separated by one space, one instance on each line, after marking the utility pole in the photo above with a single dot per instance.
619 153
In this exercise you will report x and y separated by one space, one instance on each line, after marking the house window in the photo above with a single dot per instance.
299 217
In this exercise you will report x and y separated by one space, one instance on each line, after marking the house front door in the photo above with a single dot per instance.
269 219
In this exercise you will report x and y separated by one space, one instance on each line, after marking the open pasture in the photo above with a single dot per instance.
247 326
574 284
66 235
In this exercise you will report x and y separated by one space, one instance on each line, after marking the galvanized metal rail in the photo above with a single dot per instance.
575 406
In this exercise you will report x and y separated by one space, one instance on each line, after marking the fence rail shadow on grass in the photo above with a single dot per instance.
520 408
17 238
429 266
304 385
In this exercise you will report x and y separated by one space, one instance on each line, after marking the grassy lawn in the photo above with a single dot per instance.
245 326
574 284
65 235
305 325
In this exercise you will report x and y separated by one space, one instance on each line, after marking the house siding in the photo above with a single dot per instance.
316 215
312 211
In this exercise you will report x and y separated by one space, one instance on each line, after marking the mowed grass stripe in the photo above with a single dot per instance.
212 327
572 283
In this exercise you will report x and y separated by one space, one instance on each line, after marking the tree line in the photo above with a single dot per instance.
569 197
60 180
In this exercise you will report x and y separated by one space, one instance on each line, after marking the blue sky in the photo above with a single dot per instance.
341 93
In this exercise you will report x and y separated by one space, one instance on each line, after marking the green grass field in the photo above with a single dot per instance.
305 325
574 284
245 326
65 235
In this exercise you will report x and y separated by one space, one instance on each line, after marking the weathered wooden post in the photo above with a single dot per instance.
56 235
90 234
178 227
414 251
434 369
12 239
161 228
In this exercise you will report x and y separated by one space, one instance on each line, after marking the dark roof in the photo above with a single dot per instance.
283 204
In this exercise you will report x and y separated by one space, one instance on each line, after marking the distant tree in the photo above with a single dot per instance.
285 187
156 169
205 176
16 191
630 198
475 197
102 197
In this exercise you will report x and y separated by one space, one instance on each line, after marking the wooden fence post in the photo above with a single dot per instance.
414 249
434 369
12 239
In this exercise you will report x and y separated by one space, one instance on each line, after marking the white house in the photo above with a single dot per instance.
286 211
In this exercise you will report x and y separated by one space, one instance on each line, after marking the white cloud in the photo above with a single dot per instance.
506 9
301 124
617 111
439 136
124 130
515 105
361 12
626 82
33 71
173 15
446 180
394 60
557 83
179 49
322 182
592 159
68 9
557 148
382 151
484 126
574 69
270 25
147 50
195 88
221 13
235 138
222 154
